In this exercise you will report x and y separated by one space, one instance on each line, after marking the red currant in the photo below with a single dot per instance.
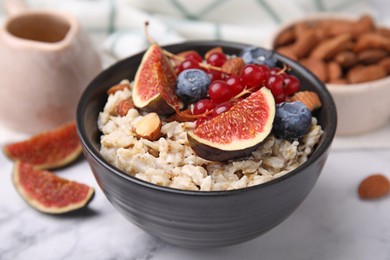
266 71
194 56
188 64
222 108
252 75
220 92
292 85
276 85
217 59
235 84
215 75
203 106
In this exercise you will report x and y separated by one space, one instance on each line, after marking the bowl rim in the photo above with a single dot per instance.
318 16
90 149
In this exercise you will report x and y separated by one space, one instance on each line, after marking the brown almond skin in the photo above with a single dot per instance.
371 56
365 24
346 59
341 81
327 49
124 106
366 73
372 41
305 43
317 67
383 31
118 87
385 63
233 66
285 37
374 186
334 71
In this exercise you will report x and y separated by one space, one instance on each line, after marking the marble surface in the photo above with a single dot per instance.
332 223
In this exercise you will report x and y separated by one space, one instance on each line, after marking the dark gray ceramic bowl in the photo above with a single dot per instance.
201 219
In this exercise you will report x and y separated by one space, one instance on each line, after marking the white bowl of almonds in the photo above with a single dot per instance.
351 55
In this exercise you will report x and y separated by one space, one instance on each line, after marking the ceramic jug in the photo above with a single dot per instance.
46 61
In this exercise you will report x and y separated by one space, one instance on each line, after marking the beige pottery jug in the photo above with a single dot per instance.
46 61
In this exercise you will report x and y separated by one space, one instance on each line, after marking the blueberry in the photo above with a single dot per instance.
192 85
292 120
258 55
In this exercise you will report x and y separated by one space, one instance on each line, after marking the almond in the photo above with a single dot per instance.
372 41
374 186
124 106
341 81
338 27
117 87
366 73
346 59
371 56
309 98
327 49
317 67
233 66
334 71
305 43
364 25
149 127
383 31
285 37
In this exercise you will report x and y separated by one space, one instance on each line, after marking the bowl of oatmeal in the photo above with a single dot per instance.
181 196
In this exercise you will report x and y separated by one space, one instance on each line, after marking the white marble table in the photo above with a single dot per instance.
332 223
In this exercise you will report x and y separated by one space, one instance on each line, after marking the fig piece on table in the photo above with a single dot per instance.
56 148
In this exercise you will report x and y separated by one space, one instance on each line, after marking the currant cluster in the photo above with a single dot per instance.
225 90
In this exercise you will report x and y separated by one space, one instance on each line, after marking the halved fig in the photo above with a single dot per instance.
52 149
236 132
48 193
154 83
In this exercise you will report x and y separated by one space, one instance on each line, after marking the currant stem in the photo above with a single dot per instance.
179 58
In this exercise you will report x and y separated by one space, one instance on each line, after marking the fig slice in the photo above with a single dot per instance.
52 149
236 132
48 193
154 83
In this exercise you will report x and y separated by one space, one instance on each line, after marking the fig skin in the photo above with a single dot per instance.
214 154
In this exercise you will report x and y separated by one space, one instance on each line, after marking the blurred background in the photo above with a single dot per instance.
116 26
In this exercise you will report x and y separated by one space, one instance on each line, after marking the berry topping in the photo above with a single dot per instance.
192 85
252 75
236 84
292 84
220 92
292 120
216 59
188 64
258 55
202 106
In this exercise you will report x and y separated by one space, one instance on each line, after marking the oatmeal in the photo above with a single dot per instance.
170 161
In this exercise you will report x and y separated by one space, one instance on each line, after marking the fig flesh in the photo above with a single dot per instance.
48 193
52 149
236 132
154 83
